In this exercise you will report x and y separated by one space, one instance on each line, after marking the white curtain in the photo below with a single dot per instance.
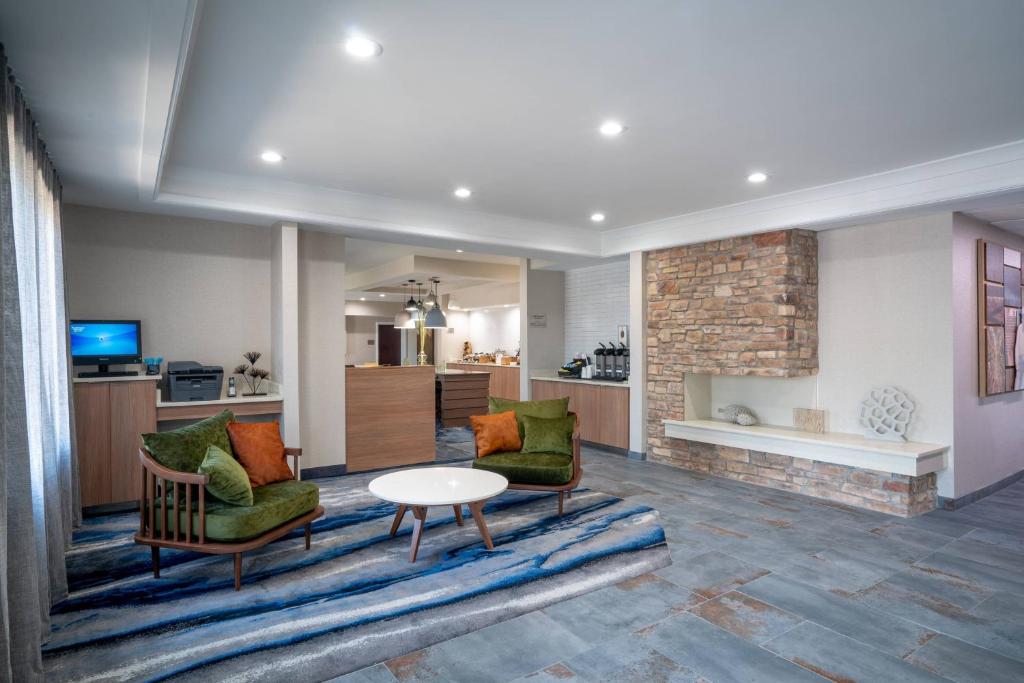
38 480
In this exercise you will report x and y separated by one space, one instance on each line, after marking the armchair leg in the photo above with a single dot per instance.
309 532
238 571
155 552
561 497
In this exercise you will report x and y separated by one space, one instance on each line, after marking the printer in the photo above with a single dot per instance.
187 380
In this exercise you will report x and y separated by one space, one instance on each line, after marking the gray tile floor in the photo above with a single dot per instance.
769 586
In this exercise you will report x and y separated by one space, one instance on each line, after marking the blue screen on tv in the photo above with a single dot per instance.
104 339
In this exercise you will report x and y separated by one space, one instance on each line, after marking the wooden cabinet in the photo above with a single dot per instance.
504 378
460 395
110 418
602 411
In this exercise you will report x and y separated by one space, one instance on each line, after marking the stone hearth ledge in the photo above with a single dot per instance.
908 458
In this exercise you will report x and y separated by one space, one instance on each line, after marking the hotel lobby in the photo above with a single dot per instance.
470 341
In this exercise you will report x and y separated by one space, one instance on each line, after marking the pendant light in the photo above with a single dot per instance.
411 304
435 316
404 321
431 301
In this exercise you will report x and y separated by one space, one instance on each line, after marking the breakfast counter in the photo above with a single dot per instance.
602 406
504 378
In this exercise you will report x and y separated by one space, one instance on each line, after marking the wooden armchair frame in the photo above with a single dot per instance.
563 489
158 481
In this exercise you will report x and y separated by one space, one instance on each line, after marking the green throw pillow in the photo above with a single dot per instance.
548 435
228 480
549 408
183 449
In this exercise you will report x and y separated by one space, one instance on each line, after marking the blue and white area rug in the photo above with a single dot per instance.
351 601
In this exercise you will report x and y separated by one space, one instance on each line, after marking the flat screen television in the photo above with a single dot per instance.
105 343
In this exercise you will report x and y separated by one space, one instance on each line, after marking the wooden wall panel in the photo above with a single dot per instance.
389 417
92 435
999 313
132 413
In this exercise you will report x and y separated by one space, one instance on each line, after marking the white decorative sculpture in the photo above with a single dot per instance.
738 414
885 414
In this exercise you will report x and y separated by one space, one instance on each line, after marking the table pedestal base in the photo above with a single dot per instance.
419 518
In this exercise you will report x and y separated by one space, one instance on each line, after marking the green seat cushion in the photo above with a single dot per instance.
228 480
182 450
272 506
548 435
548 408
551 469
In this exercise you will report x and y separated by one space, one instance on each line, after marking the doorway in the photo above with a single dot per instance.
389 344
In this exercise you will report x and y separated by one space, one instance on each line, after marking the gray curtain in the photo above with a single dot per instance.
38 482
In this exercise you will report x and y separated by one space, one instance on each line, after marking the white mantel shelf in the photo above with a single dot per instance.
909 458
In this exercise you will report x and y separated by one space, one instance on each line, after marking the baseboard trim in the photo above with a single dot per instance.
604 447
324 471
110 508
983 492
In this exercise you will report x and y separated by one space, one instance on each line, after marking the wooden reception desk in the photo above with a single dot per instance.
389 417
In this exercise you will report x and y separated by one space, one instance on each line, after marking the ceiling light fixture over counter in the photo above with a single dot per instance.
757 177
272 157
463 192
611 128
597 217
361 47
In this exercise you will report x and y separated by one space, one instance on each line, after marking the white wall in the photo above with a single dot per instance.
989 431
322 347
201 288
886 317
360 331
542 293
596 303
450 340
493 329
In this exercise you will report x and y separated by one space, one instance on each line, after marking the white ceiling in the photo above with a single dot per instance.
854 109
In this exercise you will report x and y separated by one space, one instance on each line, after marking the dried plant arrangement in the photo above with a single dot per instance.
252 375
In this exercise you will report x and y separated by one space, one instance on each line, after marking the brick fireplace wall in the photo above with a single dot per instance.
749 306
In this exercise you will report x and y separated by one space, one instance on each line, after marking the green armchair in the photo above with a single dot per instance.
176 513
536 471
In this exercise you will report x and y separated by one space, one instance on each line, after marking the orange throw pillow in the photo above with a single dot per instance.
260 451
496 433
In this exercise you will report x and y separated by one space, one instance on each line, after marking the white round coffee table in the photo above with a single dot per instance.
431 486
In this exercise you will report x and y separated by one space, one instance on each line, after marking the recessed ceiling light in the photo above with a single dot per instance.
597 217
272 157
459 251
362 298
382 295
757 177
463 192
485 311
362 47
611 128
506 305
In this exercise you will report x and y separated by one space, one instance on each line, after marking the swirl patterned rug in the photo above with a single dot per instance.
350 601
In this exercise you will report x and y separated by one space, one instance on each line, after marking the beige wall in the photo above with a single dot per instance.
201 288
989 431
322 346
886 317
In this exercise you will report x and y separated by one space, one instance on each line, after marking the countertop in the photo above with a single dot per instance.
491 365
129 378
600 382
223 400
462 372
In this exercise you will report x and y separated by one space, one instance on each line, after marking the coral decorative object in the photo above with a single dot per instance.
738 414
885 414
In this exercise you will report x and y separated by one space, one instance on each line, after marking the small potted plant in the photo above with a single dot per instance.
252 375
